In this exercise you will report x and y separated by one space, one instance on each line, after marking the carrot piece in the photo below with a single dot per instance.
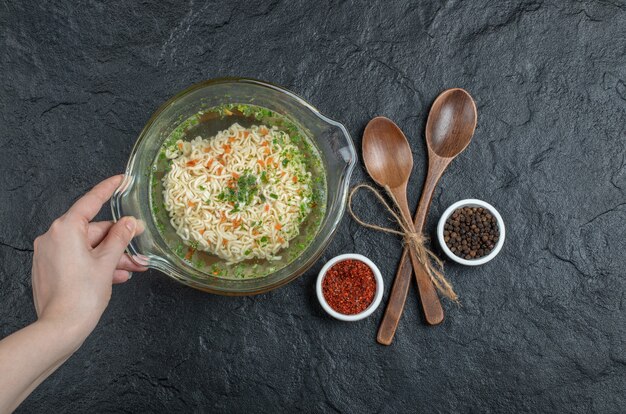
267 207
281 240
294 179
191 204
180 146
206 150
226 148
231 140
261 163
245 134
237 223
265 143
255 232
189 253
209 163
278 226
192 163
267 151
225 242
263 131
269 161
223 217
219 171
202 231
235 176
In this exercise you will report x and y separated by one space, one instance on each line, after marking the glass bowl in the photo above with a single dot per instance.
133 198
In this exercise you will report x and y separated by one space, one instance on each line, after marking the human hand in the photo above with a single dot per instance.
76 262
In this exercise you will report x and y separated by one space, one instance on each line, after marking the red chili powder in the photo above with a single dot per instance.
349 287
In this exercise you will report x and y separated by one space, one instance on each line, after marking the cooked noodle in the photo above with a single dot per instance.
239 195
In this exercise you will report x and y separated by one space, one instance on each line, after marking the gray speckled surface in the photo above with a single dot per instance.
542 328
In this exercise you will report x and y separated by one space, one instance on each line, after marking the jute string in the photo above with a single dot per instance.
414 240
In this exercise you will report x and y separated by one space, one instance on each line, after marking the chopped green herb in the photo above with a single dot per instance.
160 226
179 249
243 193
240 271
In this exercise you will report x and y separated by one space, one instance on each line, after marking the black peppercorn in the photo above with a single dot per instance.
471 233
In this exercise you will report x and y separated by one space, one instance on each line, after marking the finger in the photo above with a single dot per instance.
120 276
116 240
97 231
126 263
35 296
90 204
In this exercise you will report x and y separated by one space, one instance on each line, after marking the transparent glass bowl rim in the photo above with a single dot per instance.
163 264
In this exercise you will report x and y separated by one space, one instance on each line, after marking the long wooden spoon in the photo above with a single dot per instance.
389 161
449 130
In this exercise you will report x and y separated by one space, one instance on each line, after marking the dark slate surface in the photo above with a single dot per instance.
541 328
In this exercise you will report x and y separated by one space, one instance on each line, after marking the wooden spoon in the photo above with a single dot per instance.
389 161
449 130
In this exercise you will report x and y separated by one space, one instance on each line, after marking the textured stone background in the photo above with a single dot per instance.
541 328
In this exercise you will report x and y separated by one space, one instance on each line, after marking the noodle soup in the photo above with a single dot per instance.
238 191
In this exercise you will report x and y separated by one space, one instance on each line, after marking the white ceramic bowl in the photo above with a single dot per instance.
378 296
471 202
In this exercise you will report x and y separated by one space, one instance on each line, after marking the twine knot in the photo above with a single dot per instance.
414 240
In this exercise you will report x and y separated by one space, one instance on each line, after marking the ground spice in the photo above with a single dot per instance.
471 232
349 287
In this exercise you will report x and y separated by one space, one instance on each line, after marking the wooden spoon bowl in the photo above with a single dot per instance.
451 123
386 153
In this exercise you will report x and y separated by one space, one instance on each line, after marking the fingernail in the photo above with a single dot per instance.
131 224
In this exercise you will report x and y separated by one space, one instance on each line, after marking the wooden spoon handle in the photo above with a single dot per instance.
428 293
397 299
431 305
433 312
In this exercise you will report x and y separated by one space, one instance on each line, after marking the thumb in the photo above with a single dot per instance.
118 237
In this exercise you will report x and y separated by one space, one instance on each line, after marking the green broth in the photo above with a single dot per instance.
207 123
